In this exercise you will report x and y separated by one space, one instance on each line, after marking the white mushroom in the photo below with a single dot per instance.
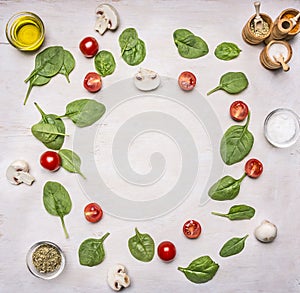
18 172
117 277
107 18
146 80
266 232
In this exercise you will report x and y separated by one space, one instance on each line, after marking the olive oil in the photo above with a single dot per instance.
25 31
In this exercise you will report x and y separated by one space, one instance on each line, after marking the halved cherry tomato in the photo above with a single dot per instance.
89 47
187 81
92 82
50 160
238 111
192 229
253 168
166 250
93 212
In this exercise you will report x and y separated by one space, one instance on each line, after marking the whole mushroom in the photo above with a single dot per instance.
117 277
18 172
107 18
266 232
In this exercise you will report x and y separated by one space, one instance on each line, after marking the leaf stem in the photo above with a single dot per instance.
104 236
214 90
41 112
64 227
28 93
248 120
242 178
219 214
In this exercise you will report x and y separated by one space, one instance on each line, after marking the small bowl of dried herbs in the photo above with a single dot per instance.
45 260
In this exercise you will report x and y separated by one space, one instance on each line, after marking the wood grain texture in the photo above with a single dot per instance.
260 267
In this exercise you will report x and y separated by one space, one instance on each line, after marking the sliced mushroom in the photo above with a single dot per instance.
107 18
18 172
146 80
117 277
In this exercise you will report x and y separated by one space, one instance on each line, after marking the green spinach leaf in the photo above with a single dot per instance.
233 246
226 188
57 201
104 63
135 55
238 212
50 130
128 39
91 251
232 83
141 246
236 143
84 112
200 270
227 51
68 65
70 161
189 45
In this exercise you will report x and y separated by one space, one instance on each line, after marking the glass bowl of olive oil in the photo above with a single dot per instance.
25 31
45 260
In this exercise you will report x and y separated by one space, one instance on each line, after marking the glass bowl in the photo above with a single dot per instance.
47 275
281 128
25 31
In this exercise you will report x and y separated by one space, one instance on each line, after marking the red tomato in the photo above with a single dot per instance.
187 81
50 160
92 82
253 168
89 47
238 111
166 250
192 229
93 212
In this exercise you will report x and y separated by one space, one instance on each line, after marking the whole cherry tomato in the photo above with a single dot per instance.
166 250
192 229
93 212
253 168
238 111
89 47
92 82
50 160
187 81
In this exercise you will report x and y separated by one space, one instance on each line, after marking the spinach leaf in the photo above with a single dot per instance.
91 251
84 112
57 201
141 246
50 130
70 161
236 143
226 188
232 83
128 39
104 63
227 51
133 49
233 246
238 212
189 45
200 270
48 62
135 55
68 65
36 80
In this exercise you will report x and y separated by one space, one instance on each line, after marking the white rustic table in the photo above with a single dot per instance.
260 267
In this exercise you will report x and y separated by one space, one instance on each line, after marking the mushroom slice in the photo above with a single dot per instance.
146 80
107 18
117 277
18 172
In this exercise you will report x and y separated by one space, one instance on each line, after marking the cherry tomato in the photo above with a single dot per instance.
192 229
253 168
187 81
89 47
166 250
50 160
92 82
93 212
238 111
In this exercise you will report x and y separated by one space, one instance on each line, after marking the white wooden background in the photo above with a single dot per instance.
260 267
